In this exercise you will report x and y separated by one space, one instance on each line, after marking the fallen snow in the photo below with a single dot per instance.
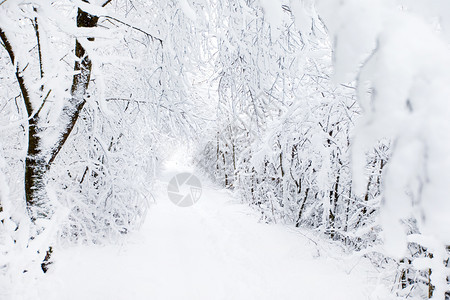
215 249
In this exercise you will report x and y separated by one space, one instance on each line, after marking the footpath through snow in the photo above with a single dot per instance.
215 249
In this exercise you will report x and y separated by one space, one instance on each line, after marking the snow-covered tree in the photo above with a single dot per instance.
91 95
322 122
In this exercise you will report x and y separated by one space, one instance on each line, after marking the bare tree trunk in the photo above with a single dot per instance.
35 169
300 212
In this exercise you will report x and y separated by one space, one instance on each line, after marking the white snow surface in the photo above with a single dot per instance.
215 249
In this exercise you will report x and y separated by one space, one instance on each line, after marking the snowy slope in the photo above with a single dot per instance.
213 250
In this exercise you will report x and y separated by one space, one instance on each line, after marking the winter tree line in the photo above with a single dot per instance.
328 119
326 115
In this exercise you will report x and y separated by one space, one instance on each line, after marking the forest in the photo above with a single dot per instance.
315 135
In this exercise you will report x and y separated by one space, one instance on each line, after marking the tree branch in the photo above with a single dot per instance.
36 30
80 84
19 75
135 28
104 4
95 11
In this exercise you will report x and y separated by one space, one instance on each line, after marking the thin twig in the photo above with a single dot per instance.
42 105
104 4
135 28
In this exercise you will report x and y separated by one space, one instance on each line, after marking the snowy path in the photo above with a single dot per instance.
213 250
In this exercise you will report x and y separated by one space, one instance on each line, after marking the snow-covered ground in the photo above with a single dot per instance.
215 249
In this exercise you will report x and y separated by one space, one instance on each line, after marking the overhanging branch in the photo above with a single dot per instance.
100 12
